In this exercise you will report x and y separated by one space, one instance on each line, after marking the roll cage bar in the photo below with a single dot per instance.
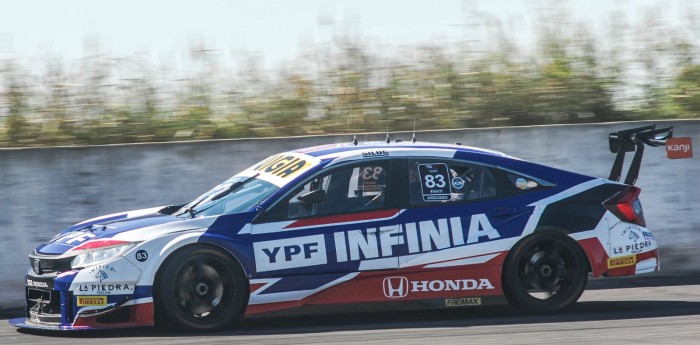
634 139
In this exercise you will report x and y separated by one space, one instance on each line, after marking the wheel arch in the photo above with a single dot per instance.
173 254
543 230
565 232
541 234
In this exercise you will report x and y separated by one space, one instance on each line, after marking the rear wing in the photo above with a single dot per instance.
634 139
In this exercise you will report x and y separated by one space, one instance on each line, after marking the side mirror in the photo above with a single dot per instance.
314 197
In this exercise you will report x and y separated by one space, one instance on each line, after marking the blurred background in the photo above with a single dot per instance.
102 72
78 73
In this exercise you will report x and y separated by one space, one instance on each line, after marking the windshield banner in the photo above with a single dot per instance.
282 168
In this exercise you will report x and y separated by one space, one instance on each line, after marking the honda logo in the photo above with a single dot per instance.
395 287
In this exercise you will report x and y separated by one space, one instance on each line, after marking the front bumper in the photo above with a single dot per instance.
86 299
136 315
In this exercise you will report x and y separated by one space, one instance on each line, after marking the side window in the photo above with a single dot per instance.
353 188
520 182
432 181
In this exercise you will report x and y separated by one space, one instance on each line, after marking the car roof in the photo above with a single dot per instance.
377 148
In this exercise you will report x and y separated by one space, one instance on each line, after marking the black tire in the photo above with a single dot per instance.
545 273
200 288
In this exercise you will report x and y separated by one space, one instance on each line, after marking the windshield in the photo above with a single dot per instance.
236 194
251 186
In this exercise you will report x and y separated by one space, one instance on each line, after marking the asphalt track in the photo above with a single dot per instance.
655 310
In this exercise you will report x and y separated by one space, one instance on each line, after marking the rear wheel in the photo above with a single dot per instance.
545 273
201 289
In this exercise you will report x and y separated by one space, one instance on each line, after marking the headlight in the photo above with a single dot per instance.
98 256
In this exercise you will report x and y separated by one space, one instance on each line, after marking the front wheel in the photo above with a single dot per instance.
201 289
545 273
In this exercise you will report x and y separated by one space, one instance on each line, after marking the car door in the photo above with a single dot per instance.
338 221
460 212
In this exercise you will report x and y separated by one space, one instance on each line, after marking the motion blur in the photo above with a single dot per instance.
570 72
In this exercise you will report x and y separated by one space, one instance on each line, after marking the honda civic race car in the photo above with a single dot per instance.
386 225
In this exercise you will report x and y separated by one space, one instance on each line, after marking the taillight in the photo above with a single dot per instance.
626 206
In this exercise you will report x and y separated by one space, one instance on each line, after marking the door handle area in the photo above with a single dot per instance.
502 212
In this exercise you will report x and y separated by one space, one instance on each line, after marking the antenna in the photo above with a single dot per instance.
387 128
354 136
413 139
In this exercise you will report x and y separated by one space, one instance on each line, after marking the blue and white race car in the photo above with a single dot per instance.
410 224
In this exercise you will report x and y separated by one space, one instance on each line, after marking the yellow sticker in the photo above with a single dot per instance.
462 302
622 261
283 165
84 301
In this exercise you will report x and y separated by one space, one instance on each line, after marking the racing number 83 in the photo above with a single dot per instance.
371 173
434 178
432 181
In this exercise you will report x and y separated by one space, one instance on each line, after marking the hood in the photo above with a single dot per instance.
106 227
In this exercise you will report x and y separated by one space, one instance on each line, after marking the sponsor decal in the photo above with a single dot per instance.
632 240
35 283
679 148
372 180
101 271
106 289
425 236
85 301
623 261
116 277
462 302
141 255
398 287
395 287
372 243
290 253
101 275
375 153
634 236
283 165
635 248
434 184
458 182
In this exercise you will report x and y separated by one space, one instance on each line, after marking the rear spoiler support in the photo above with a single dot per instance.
634 139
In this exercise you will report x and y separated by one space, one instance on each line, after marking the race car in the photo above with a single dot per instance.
354 226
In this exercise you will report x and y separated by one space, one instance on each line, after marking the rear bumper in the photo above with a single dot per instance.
648 265
632 250
641 263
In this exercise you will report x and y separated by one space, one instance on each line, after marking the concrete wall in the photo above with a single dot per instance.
44 190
